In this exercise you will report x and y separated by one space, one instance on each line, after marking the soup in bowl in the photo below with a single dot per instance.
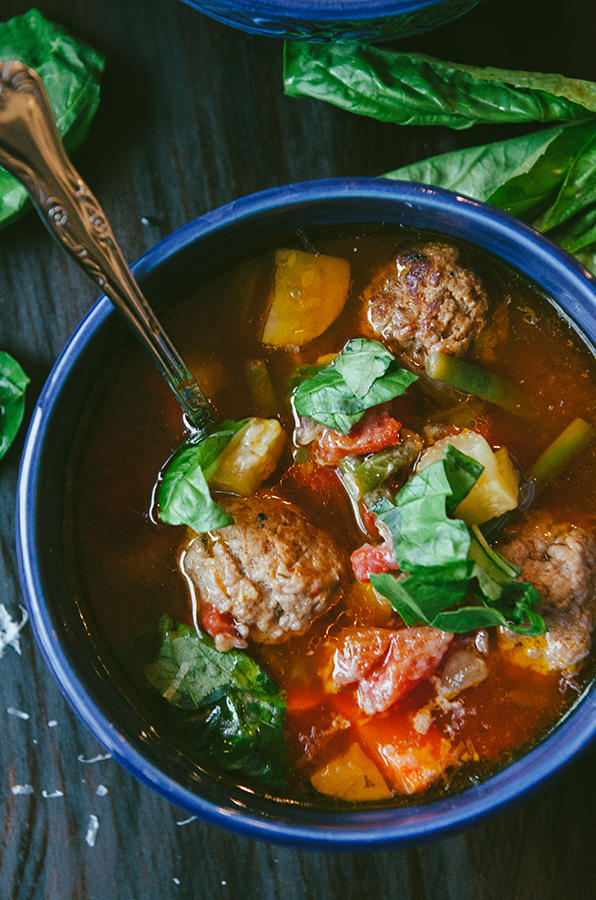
359 612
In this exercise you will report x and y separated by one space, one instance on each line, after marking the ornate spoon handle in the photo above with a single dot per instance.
32 151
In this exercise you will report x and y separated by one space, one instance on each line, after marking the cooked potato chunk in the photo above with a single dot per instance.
495 492
351 776
308 295
250 457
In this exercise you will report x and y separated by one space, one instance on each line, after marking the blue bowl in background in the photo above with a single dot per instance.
68 641
334 20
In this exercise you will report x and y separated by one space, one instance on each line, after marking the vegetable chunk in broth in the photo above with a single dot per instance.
375 581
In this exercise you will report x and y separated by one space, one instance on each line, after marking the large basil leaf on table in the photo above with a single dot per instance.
70 70
547 179
413 89
222 705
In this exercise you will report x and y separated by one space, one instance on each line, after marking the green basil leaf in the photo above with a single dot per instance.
70 70
413 89
13 380
238 733
189 672
183 496
469 618
361 363
424 598
223 705
421 596
578 190
518 175
423 534
328 398
462 474
444 561
13 383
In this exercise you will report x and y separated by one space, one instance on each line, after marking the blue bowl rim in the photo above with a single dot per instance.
363 830
307 10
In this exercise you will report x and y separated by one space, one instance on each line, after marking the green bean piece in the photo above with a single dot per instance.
473 379
364 475
262 392
563 450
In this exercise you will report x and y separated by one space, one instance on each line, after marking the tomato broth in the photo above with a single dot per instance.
124 562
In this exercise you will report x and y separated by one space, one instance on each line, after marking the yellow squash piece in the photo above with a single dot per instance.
351 777
250 457
309 293
495 492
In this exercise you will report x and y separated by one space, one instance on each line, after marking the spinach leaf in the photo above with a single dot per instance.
443 563
183 496
70 71
223 706
413 89
363 375
13 383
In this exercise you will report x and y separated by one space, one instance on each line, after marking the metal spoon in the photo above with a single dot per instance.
32 151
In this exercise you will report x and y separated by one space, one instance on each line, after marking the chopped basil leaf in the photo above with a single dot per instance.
423 533
419 597
446 562
221 704
363 375
13 383
361 363
183 496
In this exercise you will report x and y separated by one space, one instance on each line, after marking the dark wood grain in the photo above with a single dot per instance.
193 115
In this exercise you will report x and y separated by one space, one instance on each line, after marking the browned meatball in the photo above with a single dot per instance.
272 571
425 300
560 561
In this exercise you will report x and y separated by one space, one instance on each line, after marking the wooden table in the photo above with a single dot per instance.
193 115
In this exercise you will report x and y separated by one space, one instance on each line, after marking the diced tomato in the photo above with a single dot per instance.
410 762
413 656
388 664
412 768
372 559
216 622
376 430
369 520
360 649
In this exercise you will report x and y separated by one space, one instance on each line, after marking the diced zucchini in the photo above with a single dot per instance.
309 293
496 490
352 776
250 457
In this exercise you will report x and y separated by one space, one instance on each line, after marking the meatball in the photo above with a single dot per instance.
272 571
425 300
560 561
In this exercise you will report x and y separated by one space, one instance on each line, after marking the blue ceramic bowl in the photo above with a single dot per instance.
334 20
68 642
